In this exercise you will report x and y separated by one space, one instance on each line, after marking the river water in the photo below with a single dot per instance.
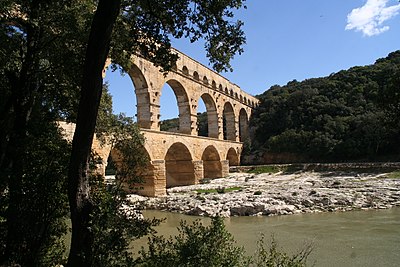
358 238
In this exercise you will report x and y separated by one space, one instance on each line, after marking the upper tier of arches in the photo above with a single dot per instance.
228 107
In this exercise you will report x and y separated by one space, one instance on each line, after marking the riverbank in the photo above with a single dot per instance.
269 194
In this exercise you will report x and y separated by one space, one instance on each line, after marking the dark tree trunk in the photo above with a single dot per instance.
78 177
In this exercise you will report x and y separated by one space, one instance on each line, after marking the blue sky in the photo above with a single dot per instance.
291 39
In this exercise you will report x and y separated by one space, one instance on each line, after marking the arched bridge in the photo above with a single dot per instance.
182 157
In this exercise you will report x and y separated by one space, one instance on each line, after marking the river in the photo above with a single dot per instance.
357 238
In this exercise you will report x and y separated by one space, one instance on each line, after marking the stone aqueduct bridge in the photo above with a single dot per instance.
183 157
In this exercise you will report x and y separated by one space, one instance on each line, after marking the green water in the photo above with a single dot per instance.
361 238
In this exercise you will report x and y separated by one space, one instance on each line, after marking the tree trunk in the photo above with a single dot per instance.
78 177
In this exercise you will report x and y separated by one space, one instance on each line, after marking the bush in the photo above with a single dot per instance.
272 256
196 245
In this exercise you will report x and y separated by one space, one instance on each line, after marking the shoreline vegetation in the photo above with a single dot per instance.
285 189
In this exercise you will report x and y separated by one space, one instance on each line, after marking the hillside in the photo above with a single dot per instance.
350 115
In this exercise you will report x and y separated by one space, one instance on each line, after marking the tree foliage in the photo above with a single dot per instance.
349 115
53 54
40 54
214 246
196 245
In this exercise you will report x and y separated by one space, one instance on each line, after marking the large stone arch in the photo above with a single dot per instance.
229 122
183 105
212 115
179 166
232 157
134 178
143 102
243 125
211 163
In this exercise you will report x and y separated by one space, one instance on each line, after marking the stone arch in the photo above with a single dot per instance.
220 87
183 105
231 92
214 84
212 166
142 97
179 166
236 96
196 76
243 125
141 182
232 157
185 70
241 98
212 115
229 122
205 80
226 91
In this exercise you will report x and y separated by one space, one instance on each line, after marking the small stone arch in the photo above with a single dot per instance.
205 80
183 105
226 91
179 166
229 122
243 125
232 157
236 96
214 84
196 76
231 92
241 98
212 115
212 166
185 70
220 87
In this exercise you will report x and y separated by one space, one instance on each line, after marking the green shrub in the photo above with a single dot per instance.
196 245
273 256
394 175
265 169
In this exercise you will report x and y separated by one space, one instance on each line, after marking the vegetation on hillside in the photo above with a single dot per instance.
350 115
172 125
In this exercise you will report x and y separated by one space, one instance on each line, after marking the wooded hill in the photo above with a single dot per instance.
352 115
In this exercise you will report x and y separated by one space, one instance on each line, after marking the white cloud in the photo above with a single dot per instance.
369 18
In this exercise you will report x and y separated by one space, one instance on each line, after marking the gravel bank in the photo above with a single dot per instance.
243 194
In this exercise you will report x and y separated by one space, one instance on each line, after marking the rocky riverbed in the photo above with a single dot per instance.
243 194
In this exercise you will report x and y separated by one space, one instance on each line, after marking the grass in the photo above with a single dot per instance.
265 169
220 190
394 175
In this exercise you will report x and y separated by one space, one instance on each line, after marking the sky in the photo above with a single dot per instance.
290 40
